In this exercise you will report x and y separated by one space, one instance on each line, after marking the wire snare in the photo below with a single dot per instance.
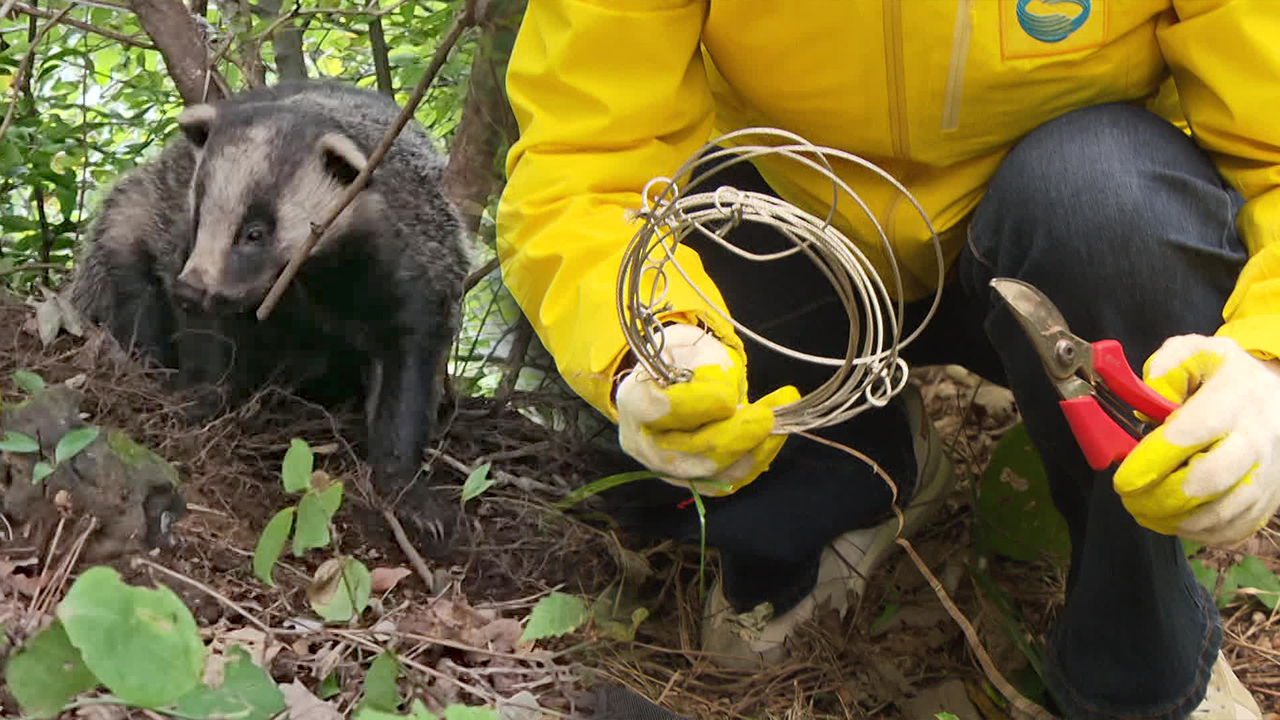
871 372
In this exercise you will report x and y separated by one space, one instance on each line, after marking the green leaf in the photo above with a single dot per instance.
331 499
330 686
1206 576
40 471
477 482
246 693
380 691
890 610
9 154
555 615
28 382
617 615
298 463
142 643
47 673
601 485
17 442
945 716
339 592
313 525
271 545
1016 514
1253 573
73 442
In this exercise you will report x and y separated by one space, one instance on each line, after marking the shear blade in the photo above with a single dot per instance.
1063 354
1038 315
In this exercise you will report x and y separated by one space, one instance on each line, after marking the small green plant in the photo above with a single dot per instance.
555 615
612 481
382 699
143 646
22 444
477 482
341 588
1248 576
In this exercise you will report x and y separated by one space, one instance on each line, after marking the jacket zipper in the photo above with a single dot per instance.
893 66
955 71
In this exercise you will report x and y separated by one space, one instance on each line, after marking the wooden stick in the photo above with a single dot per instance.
464 20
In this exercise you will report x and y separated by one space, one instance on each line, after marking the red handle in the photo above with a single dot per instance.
1109 361
1102 440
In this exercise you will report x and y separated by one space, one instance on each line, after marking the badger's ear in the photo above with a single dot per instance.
341 158
196 121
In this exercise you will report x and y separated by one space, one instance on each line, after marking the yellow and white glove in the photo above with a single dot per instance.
1211 472
702 429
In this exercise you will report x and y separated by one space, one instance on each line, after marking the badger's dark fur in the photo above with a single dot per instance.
185 247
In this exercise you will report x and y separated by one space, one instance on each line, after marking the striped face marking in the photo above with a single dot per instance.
259 184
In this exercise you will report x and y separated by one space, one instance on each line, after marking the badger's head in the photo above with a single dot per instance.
263 174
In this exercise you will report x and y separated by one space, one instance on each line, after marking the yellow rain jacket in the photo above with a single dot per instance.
612 93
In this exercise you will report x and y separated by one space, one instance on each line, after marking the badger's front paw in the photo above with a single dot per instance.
429 518
426 512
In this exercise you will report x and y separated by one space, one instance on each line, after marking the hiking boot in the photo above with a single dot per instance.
1227 698
750 639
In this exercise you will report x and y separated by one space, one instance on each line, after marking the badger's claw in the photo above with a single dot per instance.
428 518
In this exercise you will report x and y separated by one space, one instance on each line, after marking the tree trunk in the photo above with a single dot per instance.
487 127
286 40
169 24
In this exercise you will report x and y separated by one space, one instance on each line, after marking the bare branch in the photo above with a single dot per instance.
26 9
464 20
22 76
174 32
479 274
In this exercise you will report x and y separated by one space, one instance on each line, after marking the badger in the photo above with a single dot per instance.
184 247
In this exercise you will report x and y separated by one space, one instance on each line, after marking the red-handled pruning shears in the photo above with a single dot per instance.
1083 374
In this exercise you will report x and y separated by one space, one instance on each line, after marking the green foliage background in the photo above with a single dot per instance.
99 100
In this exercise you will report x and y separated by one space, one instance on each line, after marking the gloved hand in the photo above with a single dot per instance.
1211 472
702 429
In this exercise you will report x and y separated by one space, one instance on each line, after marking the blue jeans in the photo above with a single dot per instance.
1125 224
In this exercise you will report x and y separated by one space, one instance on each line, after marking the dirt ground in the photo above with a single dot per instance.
899 654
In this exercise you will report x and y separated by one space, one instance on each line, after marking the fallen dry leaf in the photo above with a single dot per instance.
385 578
304 705
252 640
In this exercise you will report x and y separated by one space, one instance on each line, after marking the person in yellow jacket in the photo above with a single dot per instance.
1038 139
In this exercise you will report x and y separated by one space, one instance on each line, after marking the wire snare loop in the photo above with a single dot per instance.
871 372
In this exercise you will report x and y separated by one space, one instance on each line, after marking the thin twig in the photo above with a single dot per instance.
21 77
479 274
1011 693
415 558
463 21
298 13
80 24
208 591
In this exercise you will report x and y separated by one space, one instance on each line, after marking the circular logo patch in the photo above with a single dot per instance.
1054 26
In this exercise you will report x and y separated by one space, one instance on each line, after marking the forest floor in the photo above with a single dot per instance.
898 654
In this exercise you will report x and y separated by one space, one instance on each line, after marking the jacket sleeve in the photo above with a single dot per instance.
1225 60
608 94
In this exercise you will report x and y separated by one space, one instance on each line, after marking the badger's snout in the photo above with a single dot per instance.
193 293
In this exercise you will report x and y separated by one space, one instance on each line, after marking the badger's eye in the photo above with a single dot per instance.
253 233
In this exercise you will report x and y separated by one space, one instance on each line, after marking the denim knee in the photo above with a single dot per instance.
1108 200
